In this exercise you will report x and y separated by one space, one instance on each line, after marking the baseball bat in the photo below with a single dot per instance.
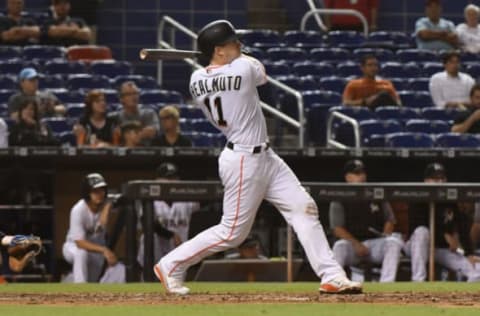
154 54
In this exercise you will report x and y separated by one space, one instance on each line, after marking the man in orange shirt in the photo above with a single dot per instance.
368 90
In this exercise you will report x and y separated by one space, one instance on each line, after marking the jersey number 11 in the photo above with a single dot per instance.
218 114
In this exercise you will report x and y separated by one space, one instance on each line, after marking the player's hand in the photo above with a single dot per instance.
473 260
361 250
176 240
110 257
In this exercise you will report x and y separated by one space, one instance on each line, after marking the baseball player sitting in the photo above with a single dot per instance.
364 229
85 243
453 247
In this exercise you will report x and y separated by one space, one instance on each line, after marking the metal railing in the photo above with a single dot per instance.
177 26
356 130
317 12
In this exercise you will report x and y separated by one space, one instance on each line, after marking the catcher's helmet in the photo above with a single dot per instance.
167 170
216 33
92 181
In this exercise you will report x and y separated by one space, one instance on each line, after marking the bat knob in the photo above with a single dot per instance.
143 54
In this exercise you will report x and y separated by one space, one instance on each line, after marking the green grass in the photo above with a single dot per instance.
231 287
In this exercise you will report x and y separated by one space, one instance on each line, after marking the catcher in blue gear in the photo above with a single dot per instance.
21 249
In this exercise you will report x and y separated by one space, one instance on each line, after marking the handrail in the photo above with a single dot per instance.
316 12
300 124
348 119
320 23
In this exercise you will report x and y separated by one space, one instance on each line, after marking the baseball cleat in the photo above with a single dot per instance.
171 285
341 285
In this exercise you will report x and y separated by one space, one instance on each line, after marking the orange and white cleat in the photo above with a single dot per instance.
341 285
171 285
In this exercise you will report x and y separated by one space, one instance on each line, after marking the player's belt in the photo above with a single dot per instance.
252 149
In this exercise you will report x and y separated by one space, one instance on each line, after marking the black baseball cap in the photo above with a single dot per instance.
354 166
435 170
167 170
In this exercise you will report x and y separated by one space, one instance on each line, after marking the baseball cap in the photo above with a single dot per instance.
435 170
167 170
27 73
96 180
354 166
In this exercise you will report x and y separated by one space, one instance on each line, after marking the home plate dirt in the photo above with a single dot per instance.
397 298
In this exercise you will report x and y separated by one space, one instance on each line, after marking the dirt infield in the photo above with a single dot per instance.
397 298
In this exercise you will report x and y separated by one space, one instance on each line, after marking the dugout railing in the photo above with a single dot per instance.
148 191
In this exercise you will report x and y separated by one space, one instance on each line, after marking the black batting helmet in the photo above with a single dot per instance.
92 181
216 33
167 170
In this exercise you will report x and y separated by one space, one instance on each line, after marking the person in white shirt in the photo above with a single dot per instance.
85 246
451 88
3 134
469 32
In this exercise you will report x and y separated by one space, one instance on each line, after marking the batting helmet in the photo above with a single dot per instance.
216 33
92 181
167 170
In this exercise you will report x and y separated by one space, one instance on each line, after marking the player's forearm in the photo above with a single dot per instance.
388 228
465 126
342 233
83 34
429 35
90 246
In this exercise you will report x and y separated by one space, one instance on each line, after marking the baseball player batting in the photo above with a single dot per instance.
249 169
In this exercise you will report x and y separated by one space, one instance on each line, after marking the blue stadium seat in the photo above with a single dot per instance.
8 82
419 84
278 68
111 68
409 140
333 83
203 125
63 67
75 110
348 69
415 99
393 39
416 55
303 38
111 95
57 124
66 96
316 116
185 125
323 97
10 52
67 137
331 55
11 66
399 70
88 82
291 81
427 126
445 115
160 96
43 52
3 110
346 39
376 141
466 57
399 83
396 113
5 95
369 128
456 140
51 82
343 131
431 68
313 68
143 82
258 53
190 111
260 38
473 70
382 54
291 54
357 112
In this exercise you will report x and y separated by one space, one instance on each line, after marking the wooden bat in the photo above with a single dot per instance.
154 54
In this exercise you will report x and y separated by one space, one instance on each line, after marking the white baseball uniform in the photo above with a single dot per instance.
250 172
175 218
84 225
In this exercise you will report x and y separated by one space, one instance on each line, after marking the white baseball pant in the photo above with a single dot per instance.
458 263
384 250
248 179
87 265
417 249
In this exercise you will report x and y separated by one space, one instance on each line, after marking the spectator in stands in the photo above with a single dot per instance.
132 111
434 32
469 32
469 121
3 134
130 134
16 29
47 102
87 10
172 218
29 130
364 229
171 135
451 88
369 90
63 30
369 9
85 243
95 128
453 248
